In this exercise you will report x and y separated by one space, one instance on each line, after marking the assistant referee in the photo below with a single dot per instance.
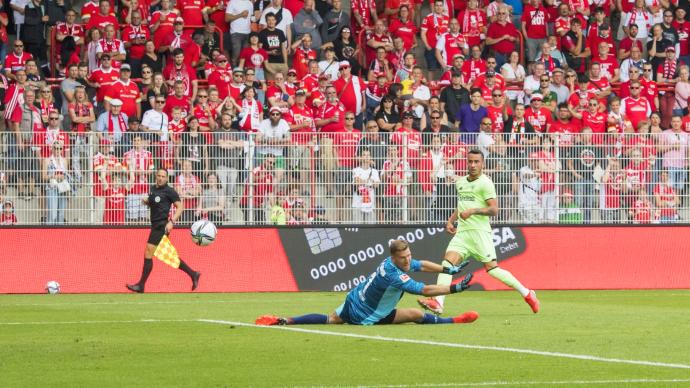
159 200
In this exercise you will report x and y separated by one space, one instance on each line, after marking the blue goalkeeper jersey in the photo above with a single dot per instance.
377 297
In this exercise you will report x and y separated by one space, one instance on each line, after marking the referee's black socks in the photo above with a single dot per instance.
184 267
148 266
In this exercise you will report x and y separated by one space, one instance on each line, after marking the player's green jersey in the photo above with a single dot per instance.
474 194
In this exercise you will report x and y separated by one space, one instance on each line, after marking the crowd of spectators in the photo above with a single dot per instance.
301 111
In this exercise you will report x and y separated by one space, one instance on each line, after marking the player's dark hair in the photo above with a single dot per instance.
398 246
475 151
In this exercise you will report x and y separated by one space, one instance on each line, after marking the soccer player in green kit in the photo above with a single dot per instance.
473 235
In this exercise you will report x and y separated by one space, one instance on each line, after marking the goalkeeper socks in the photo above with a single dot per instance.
444 280
508 279
184 267
309 319
148 266
433 319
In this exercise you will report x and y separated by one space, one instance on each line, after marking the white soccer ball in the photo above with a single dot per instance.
53 287
203 232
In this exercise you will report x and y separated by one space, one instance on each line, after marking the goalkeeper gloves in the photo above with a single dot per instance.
452 270
462 286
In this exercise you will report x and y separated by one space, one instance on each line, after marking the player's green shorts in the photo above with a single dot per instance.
475 243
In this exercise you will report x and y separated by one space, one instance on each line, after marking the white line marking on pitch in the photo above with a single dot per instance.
68 303
500 383
456 345
96 322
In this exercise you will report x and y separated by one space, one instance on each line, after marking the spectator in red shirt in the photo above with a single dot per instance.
254 56
404 28
16 60
8 217
534 20
433 26
127 91
178 99
574 47
303 53
537 115
501 36
178 70
666 199
134 37
345 146
101 79
103 18
66 29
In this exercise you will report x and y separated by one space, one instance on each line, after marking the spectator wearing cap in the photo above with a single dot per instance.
254 57
537 115
275 43
126 91
501 36
498 80
451 43
350 89
134 37
308 21
112 124
162 22
600 36
178 70
669 69
237 85
238 14
101 79
303 54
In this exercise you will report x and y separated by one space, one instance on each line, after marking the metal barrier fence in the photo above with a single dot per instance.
347 177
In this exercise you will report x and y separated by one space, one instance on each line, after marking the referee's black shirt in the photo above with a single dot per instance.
160 200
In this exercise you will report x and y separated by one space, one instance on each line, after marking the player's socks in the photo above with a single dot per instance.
508 279
434 319
146 271
184 267
309 319
444 280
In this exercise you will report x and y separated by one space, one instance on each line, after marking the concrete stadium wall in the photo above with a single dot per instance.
97 260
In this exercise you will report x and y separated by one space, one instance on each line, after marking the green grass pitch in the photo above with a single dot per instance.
162 341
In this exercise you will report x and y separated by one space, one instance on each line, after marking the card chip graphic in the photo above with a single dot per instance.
322 239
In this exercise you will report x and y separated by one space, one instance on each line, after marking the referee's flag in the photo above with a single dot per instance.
167 253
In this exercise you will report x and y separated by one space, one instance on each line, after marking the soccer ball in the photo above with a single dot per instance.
53 287
203 232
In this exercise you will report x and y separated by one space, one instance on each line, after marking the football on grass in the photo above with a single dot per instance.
53 287
203 232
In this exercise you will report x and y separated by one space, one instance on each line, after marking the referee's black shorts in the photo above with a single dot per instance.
157 233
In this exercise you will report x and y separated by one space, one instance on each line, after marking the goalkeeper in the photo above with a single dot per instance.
373 302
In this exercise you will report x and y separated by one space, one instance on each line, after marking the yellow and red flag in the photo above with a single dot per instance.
167 253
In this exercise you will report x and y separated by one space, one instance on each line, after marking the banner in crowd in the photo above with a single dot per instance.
337 259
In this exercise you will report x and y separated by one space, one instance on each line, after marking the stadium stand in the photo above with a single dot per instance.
298 112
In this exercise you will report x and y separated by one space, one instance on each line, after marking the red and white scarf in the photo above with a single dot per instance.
669 69
250 120
635 14
121 123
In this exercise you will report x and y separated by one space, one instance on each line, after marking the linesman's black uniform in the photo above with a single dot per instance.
160 199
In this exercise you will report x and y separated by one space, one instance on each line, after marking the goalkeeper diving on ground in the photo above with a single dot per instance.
374 301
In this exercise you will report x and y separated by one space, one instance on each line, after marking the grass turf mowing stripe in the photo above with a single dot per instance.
456 345
501 383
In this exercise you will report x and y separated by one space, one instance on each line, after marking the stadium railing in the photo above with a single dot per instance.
544 179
